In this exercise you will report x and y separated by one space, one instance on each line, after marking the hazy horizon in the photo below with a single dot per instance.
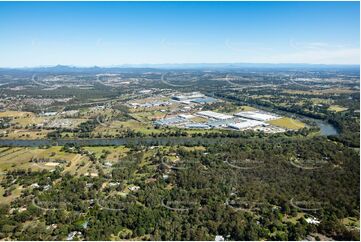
177 64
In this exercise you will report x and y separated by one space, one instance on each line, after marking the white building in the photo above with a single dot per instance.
257 115
312 220
134 188
73 234
145 91
35 185
186 116
187 96
70 113
246 124
211 114
219 238
47 114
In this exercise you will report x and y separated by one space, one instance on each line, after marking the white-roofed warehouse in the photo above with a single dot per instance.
257 115
246 123
211 114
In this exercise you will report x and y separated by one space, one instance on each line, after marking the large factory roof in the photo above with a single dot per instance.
246 123
187 96
257 115
221 122
204 100
197 126
211 114
169 121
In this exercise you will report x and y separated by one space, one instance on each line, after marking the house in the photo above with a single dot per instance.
134 188
219 238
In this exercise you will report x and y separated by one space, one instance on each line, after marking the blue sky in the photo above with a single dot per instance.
116 33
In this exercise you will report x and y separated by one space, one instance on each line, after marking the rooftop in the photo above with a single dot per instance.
204 100
214 115
246 123
257 115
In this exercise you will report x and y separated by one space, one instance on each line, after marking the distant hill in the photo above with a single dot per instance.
195 66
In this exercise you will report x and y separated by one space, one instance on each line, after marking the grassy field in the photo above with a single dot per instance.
15 114
28 120
116 152
54 152
19 158
15 158
193 148
247 108
321 101
14 194
108 128
321 92
287 123
140 127
350 221
148 116
336 108
293 219
26 134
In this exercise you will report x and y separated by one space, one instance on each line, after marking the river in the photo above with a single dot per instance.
326 129
148 141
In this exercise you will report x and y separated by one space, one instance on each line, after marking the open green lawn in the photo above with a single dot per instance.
26 134
247 108
148 116
14 194
116 152
19 158
350 221
15 114
293 219
15 158
288 123
140 127
321 101
337 108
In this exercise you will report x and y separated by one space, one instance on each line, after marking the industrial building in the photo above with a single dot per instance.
246 124
150 104
240 121
257 115
187 96
204 100
211 114
186 116
221 122
196 126
170 121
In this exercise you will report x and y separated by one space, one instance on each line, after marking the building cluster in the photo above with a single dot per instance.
176 103
171 121
214 115
150 104
193 97
186 110
257 115
239 121
60 123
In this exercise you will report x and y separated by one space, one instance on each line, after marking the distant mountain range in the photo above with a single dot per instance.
200 66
